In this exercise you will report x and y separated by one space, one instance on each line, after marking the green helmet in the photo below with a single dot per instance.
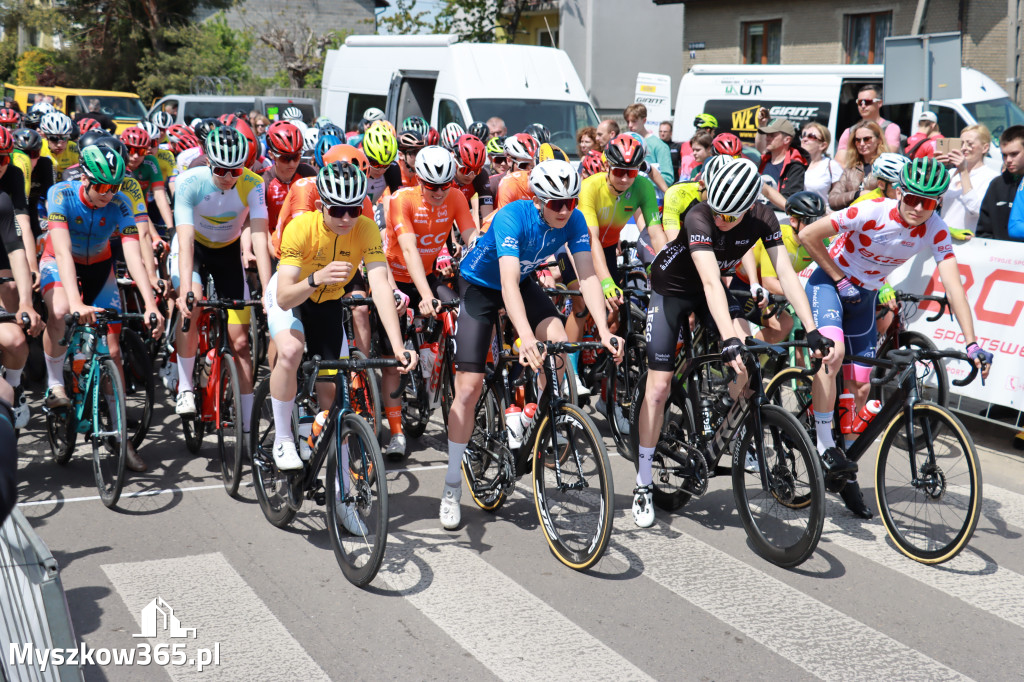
705 121
417 123
102 165
924 177
495 145
226 147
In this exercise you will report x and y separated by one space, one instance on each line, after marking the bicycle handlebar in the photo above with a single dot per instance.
943 302
782 348
899 359
26 322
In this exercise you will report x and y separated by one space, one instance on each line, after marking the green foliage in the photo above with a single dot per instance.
334 40
43 67
403 20
8 57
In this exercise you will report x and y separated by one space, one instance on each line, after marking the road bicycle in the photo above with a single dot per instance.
433 384
932 378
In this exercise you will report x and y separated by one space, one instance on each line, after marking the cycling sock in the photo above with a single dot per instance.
282 419
14 376
394 415
574 360
245 402
643 473
185 367
54 370
453 477
823 428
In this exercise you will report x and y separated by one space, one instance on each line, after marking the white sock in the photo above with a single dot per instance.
185 367
823 428
14 376
282 419
644 476
246 403
453 477
54 370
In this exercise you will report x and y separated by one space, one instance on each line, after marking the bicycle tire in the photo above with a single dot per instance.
369 404
414 415
481 461
619 399
664 494
939 394
359 556
139 386
580 542
919 528
229 430
270 484
791 390
447 388
781 531
108 471
61 434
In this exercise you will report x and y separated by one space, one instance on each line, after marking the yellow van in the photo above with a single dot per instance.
124 107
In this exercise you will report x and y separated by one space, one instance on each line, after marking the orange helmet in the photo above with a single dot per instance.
346 152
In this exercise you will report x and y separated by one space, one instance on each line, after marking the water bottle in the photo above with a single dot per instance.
207 366
529 414
318 427
866 414
846 413
514 425
427 354
435 376
305 430
77 367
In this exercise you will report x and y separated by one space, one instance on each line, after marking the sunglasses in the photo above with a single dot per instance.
343 211
288 158
623 173
140 151
378 166
261 125
56 139
466 170
524 165
810 136
867 102
559 205
233 172
105 189
432 187
925 203
727 218
499 158
865 140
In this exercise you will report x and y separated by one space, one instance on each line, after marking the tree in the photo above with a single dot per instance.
403 20
481 21
302 51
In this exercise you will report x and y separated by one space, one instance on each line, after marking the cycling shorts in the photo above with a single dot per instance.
281 320
666 316
441 291
225 264
854 325
569 272
96 283
478 315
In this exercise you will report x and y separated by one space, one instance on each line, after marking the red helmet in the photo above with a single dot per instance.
9 117
727 144
228 119
346 152
182 139
242 126
6 141
284 137
87 124
470 152
591 163
136 137
521 147
433 137
624 151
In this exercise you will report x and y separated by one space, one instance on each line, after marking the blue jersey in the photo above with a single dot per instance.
90 227
518 231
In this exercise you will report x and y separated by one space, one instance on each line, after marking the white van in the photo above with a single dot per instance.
443 80
732 93
211 106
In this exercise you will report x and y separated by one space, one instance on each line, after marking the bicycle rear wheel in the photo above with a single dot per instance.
575 513
229 431
667 482
622 382
138 385
930 514
272 486
359 545
110 451
784 522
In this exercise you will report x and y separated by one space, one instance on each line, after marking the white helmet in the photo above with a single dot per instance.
43 108
373 114
712 166
162 120
520 149
55 123
196 121
888 166
151 129
291 114
310 136
555 179
734 189
341 184
450 134
435 165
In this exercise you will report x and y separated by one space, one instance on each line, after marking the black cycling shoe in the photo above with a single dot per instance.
854 500
836 463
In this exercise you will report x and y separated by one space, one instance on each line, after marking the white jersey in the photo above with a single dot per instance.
873 241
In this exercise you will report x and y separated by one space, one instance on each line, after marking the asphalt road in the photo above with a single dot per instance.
687 599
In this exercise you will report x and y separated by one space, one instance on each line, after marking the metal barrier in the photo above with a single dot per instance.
33 610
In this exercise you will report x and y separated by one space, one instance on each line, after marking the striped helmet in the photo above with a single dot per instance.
734 189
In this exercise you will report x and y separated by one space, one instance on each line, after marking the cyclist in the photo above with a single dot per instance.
9 118
875 238
320 256
498 161
410 142
211 206
284 142
886 170
83 216
381 149
145 168
419 224
38 174
57 145
470 156
521 150
450 135
687 278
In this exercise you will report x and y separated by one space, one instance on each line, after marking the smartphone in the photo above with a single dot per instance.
947 144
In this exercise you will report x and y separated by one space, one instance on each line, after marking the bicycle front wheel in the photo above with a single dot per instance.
790 389
929 496
365 397
229 431
572 487
110 435
138 385
357 501
784 522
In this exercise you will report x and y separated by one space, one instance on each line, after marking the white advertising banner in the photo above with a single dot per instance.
993 276
654 91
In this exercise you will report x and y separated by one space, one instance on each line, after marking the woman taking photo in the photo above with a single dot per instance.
970 178
868 143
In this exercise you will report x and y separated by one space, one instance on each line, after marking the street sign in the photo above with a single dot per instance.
921 68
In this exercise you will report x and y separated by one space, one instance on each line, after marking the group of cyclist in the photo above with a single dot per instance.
325 214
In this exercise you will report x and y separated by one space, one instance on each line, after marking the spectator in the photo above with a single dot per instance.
822 171
658 154
701 150
497 127
606 130
994 218
868 144
665 133
586 139
8 452
260 125
970 179
253 115
780 159
921 143
869 103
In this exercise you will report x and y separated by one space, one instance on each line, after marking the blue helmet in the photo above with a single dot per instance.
324 143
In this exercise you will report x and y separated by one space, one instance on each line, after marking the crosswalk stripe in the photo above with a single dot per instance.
459 577
209 595
807 632
1001 503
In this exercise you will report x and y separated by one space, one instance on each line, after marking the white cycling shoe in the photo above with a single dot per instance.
451 507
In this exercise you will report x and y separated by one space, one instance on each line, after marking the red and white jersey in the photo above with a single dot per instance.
874 240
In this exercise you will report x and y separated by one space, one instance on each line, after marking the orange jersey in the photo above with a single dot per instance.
408 213
408 174
467 190
301 198
513 187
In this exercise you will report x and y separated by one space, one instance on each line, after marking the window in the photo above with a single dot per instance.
547 38
950 122
762 42
357 104
448 111
865 37
562 118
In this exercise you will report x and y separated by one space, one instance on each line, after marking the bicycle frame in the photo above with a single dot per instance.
88 390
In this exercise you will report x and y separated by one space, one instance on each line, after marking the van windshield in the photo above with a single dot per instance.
275 108
563 119
997 115
111 105
201 109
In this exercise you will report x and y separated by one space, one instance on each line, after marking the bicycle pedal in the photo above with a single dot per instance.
320 498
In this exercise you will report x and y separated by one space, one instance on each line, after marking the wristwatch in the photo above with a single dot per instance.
310 281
